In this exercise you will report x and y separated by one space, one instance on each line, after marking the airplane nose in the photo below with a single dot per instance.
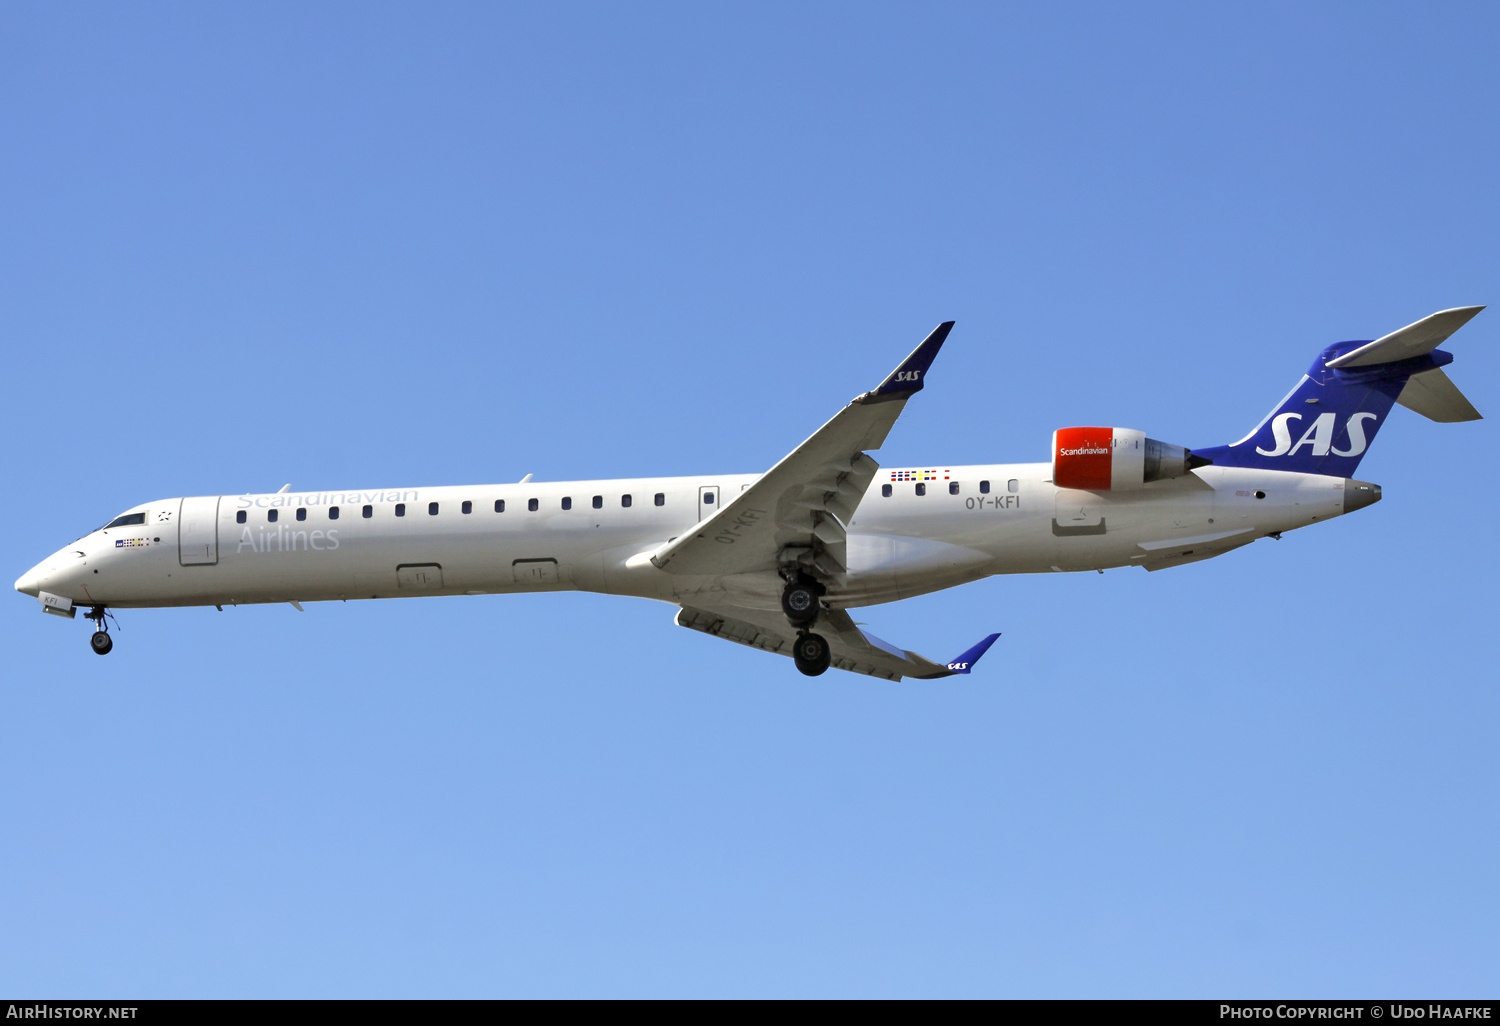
30 582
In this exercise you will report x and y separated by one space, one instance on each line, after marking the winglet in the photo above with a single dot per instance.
965 662
907 378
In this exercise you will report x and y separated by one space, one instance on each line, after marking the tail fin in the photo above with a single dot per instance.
1328 420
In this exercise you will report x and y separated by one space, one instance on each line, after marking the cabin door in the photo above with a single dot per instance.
198 531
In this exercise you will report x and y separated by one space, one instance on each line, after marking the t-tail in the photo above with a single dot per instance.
1327 422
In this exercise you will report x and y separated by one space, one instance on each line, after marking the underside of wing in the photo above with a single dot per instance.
851 648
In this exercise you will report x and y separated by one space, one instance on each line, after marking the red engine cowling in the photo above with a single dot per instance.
1101 459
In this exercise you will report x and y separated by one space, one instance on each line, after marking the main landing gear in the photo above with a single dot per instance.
799 601
101 642
811 654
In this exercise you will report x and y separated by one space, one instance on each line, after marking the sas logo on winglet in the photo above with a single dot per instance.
1319 435
908 375
958 666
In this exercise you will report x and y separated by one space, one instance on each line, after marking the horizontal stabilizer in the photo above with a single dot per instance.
1416 339
1434 395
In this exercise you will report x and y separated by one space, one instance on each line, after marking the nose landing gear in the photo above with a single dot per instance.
101 642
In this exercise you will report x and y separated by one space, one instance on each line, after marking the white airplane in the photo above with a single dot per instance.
776 560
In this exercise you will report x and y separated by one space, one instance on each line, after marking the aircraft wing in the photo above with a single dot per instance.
802 505
852 649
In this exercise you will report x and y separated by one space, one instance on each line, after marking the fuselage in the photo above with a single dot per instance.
915 531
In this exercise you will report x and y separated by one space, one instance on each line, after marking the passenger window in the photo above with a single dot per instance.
432 509
598 502
625 501
1013 486
708 498
661 498
567 502
333 512
271 516
921 489
952 487
499 505
400 509
885 490
301 513
531 504
239 518
128 520
984 488
367 512
467 507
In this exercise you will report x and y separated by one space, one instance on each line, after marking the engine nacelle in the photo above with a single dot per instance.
1101 459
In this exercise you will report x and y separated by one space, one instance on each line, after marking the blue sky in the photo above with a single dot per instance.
360 245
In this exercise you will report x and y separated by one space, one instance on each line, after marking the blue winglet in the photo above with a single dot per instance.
907 378
965 662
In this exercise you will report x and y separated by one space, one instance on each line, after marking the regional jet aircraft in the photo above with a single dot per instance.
777 560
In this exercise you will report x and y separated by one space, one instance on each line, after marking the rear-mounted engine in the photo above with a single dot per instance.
1101 459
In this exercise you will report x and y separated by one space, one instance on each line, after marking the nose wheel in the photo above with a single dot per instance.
811 653
101 642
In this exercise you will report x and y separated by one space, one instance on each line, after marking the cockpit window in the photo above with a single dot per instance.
128 520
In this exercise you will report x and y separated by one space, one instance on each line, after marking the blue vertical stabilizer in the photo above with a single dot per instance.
1330 418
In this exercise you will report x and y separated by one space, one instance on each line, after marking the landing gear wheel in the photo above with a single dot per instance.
101 643
800 603
811 654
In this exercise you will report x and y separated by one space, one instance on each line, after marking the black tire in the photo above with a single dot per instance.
811 654
800 603
101 643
